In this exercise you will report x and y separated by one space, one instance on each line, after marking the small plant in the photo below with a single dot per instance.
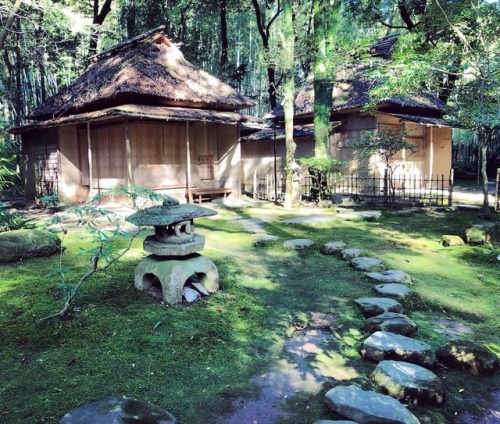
386 143
320 169
96 221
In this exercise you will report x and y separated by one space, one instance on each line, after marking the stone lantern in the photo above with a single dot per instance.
174 261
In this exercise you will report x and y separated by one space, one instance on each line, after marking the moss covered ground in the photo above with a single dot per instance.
194 360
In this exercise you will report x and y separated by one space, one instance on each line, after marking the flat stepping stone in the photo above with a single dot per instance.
252 225
298 244
468 356
355 215
392 289
265 238
392 322
333 247
409 383
349 254
385 345
366 407
309 220
390 276
371 306
368 264
118 410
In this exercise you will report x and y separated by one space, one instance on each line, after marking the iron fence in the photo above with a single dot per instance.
497 192
436 190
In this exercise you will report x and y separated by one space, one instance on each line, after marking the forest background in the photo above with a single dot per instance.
266 49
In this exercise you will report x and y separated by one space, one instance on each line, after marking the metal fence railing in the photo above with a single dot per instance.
436 190
497 192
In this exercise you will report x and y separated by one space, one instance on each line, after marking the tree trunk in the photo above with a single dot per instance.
288 44
130 19
223 37
484 135
10 21
323 77
97 21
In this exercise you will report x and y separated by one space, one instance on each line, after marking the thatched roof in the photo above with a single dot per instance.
148 70
137 112
350 95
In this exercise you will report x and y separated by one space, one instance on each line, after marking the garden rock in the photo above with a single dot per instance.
385 345
333 247
265 238
349 254
468 356
409 383
371 306
366 407
298 244
476 235
116 410
392 322
452 241
392 289
23 244
390 276
368 264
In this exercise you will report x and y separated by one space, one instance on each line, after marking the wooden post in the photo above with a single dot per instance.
89 153
255 194
431 153
450 188
188 165
128 153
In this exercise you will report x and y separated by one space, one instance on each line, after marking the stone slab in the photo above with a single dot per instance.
392 322
371 306
392 289
116 410
366 407
468 356
333 247
384 345
390 276
153 246
349 254
298 244
368 264
409 383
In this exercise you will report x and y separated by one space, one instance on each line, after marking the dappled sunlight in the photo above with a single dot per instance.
257 283
333 364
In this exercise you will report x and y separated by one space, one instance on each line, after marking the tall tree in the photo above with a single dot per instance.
287 37
10 22
98 16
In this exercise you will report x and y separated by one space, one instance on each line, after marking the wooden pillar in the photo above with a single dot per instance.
431 153
89 153
188 166
128 154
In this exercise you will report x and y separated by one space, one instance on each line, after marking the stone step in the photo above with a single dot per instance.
468 356
348 254
298 244
409 383
393 289
390 276
392 322
368 407
368 264
333 247
385 345
371 306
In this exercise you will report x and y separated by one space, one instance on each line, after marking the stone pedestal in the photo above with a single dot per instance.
172 273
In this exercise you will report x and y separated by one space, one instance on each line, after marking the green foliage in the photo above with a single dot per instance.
320 169
385 142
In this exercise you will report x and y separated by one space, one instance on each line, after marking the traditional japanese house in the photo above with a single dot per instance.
140 114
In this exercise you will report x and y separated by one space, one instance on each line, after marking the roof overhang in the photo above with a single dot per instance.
156 113
423 120
278 133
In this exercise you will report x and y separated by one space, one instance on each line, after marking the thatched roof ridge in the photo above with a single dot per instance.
350 95
149 70
157 113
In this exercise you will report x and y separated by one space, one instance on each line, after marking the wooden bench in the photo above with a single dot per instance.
201 194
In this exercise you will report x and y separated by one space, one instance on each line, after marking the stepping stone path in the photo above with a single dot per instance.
349 254
368 264
391 276
368 407
392 322
392 289
334 422
333 247
118 410
264 238
468 356
298 244
385 345
409 383
371 306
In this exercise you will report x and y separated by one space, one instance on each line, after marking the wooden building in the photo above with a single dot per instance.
141 114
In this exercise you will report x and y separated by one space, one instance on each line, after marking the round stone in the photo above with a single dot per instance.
409 383
368 264
393 289
298 244
392 322
390 276
385 345
349 254
333 247
371 306
468 356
